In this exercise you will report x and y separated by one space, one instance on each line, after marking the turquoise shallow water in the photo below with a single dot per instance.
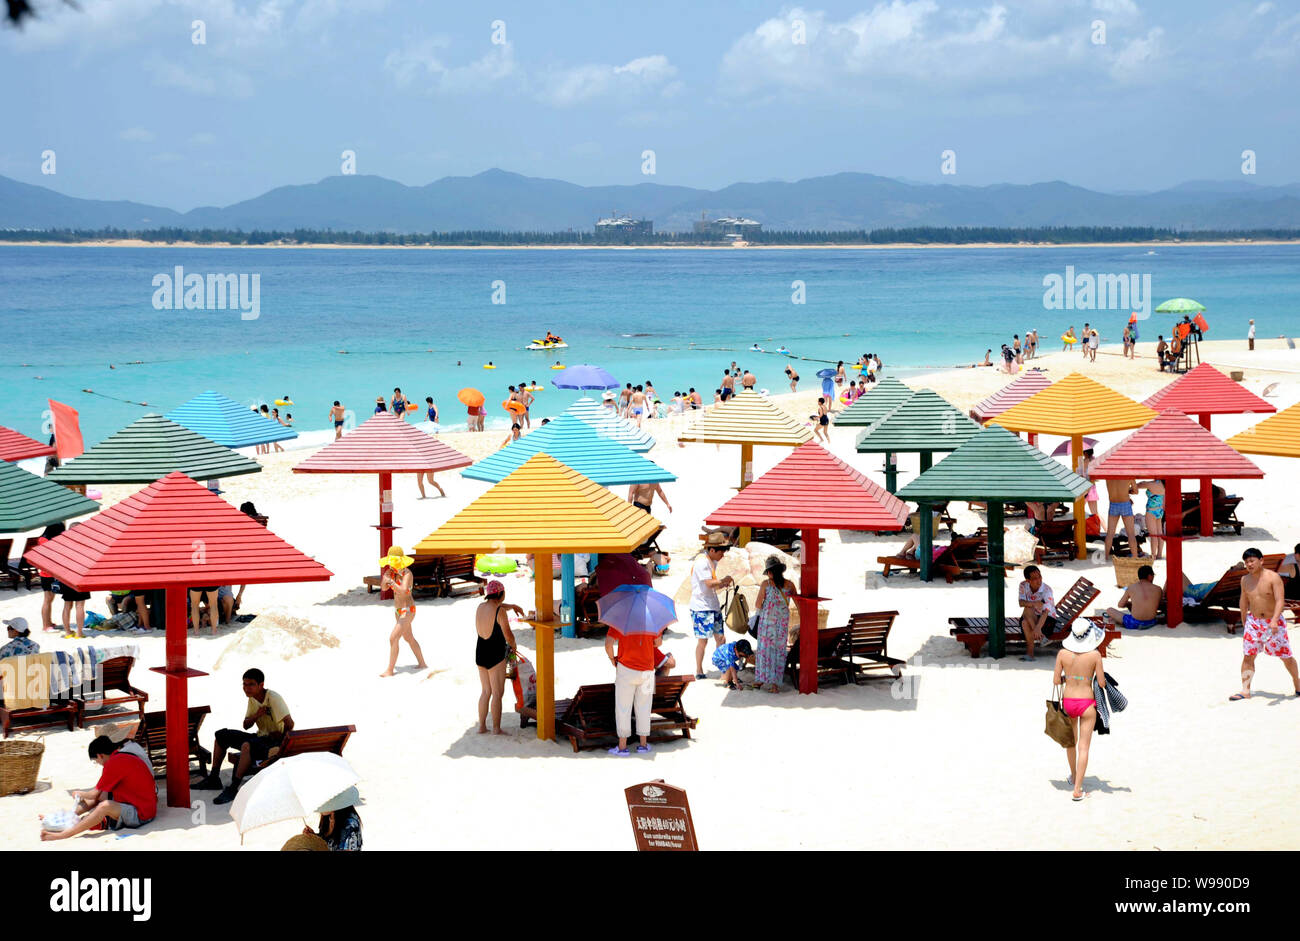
407 317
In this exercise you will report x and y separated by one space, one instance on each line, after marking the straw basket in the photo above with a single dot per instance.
1237 375
20 762
822 617
1126 569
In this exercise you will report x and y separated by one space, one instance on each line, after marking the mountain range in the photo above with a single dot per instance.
497 200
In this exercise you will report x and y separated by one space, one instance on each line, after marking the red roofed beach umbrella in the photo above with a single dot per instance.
1173 447
1204 391
812 490
16 446
171 535
385 445
1013 393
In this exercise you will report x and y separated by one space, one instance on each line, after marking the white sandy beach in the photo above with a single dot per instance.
952 757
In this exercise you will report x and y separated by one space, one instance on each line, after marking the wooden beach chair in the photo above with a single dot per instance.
152 734
587 720
456 575
961 560
25 695
868 641
300 741
974 632
1057 540
20 568
114 677
7 578
1224 514
1224 599
831 642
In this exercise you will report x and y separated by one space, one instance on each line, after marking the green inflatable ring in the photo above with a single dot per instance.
496 564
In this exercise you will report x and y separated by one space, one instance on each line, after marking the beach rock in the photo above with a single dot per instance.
277 634
874 580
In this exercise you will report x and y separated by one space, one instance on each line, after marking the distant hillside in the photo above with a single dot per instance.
497 200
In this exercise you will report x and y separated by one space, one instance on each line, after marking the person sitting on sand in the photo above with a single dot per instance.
340 829
20 639
988 358
124 798
396 577
268 711
731 659
495 642
1142 599
1262 627
1038 609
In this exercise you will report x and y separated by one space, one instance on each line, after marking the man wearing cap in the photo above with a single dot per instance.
706 609
397 577
268 711
20 642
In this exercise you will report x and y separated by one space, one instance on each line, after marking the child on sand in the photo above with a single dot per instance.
731 659
397 578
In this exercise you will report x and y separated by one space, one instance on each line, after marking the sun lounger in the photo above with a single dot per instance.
1224 514
440 576
831 645
114 676
961 560
24 695
1224 599
1057 539
587 720
20 568
300 741
974 632
152 734
867 641
7 578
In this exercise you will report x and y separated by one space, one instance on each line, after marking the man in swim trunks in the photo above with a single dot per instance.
1087 331
336 415
642 496
794 379
1037 609
526 400
1142 599
1120 493
728 385
1262 627
637 408
748 380
696 400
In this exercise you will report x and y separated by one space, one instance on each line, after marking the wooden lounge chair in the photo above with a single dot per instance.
456 576
831 644
7 578
961 560
48 713
974 632
1057 539
1224 598
436 575
868 640
587 720
20 568
114 676
891 562
300 741
1224 514
152 734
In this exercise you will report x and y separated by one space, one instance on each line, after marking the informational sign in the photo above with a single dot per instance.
661 816
386 502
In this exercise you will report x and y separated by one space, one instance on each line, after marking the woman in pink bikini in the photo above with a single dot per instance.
1078 665
397 577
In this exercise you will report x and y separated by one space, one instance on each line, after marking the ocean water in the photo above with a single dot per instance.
426 320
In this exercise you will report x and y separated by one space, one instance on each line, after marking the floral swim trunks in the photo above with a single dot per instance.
1256 636
707 623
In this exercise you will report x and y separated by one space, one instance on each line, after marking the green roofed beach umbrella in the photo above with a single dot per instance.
609 425
29 502
1180 305
228 423
876 404
149 448
994 466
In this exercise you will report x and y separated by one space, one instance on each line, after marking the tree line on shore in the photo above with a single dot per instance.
925 235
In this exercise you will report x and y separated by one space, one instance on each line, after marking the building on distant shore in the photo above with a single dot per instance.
623 228
728 227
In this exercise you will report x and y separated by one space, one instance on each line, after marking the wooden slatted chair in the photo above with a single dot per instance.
587 720
20 568
868 641
7 578
152 733
114 675
25 679
974 632
830 657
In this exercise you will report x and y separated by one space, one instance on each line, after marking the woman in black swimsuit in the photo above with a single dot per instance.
494 640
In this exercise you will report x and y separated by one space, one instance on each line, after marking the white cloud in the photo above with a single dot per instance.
1136 56
203 139
214 82
1263 9
136 135
422 65
648 74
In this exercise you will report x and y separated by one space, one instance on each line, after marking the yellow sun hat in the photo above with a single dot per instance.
396 559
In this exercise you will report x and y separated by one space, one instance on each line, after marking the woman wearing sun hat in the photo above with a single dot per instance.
1078 664
396 575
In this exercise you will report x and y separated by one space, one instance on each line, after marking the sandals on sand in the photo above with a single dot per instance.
1238 697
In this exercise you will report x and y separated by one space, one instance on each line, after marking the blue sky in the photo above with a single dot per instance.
721 92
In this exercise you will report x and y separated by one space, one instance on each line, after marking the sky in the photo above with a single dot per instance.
1114 95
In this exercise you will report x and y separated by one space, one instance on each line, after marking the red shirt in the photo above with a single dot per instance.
125 778
635 651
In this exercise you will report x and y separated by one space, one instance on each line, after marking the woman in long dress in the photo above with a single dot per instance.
773 625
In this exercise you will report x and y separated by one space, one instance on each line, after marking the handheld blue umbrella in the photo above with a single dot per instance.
827 373
637 609
585 376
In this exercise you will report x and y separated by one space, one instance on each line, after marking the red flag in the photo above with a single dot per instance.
67 430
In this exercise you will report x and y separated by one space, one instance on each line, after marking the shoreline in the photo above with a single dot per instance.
838 246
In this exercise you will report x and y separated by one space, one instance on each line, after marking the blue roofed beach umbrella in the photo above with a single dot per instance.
228 423
637 609
585 376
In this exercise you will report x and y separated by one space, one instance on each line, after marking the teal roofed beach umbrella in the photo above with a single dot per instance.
29 502
223 420
149 448
995 466
573 442
609 425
